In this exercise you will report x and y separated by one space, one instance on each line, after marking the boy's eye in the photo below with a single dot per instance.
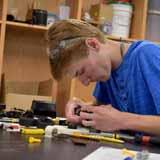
79 72
76 74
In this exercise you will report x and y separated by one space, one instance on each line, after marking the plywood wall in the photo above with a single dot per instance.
1 6
25 57
87 4
83 92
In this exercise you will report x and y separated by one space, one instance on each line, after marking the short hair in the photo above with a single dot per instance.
66 43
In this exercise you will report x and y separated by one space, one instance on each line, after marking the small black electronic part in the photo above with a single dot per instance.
28 114
39 122
42 122
93 130
15 113
77 110
63 122
28 122
72 125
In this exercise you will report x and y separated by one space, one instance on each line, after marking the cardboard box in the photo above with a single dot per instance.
101 12
30 88
45 87
22 101
20 94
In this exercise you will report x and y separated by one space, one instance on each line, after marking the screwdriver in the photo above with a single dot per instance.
153 140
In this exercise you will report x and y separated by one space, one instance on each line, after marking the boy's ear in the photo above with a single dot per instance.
93 44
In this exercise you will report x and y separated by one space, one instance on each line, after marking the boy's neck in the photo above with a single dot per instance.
116 52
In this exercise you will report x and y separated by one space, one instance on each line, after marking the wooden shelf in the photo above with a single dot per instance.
128 39
154 12
119 38
27 26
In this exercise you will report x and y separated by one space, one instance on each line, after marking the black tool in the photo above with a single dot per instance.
140 139
153 140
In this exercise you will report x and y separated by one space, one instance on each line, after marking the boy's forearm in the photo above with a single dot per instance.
142 123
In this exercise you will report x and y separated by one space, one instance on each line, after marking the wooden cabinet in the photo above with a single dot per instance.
138 25
23 52
139 18
23 55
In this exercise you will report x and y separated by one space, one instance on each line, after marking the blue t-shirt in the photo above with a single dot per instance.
135 85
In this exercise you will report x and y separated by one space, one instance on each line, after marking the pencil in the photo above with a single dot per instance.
96 137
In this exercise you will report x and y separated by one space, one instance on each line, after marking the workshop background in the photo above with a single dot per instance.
24 66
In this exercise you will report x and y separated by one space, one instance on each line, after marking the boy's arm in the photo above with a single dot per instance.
143 123
107 118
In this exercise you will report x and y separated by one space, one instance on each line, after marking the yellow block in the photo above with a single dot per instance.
32 131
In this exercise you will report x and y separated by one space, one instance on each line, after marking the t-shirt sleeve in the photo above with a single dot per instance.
149 60
100 93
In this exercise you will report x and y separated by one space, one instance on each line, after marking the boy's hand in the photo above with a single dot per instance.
70 110
104 118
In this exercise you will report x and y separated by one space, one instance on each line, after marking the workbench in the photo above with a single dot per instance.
16 146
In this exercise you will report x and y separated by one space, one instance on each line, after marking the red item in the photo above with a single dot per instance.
145 139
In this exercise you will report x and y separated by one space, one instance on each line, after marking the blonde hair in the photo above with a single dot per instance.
66 43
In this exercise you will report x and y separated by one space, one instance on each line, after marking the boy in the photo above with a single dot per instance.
128 77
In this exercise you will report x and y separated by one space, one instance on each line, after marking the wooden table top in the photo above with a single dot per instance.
15 146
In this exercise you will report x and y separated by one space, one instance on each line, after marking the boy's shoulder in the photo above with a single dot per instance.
144 49
142 45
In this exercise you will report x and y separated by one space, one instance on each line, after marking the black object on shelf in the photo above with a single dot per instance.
42 108
10 17
39 17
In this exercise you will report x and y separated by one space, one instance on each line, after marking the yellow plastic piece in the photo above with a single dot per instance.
34 140
32 131
128 152
56 120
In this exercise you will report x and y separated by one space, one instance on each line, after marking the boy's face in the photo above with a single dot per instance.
91 69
